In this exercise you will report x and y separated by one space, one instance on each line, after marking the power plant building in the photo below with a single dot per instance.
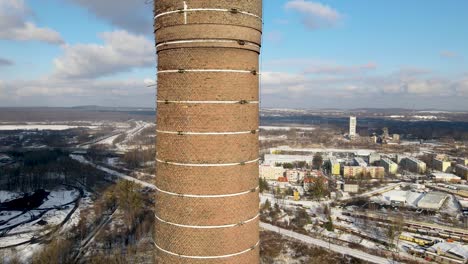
207 131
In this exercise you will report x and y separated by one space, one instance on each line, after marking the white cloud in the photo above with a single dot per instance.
334 69
14 24
1 89
120 52
315 15
449 54
408 87
134 16
59 92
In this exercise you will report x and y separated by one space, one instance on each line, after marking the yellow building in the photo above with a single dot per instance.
271 173
390 166
441 165
463 162
358 171
353 171
335 166
376 172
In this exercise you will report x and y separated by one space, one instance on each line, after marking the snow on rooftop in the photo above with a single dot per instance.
454 248
408 197
443 175
432 200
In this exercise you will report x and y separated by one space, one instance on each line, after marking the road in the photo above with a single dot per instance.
306 239
83 160
326 245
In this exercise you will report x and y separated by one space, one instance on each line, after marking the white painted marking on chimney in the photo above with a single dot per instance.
208 196
207 133
247 43
185 12
205 70
207 257
206 9
208 227
207 164
207 102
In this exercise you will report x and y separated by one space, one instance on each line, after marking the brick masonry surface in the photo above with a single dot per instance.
226 183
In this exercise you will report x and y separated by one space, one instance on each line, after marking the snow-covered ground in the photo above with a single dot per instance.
39 127
117 174
19 227
6 196
108 141
327 245
286 128
60 197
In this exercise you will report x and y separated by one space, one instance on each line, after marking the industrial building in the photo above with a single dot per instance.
390 166
441 165
462 171
271 173
432 201
413 165
207 172
273 159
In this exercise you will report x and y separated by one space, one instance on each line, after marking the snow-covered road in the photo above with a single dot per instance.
324 244
83 160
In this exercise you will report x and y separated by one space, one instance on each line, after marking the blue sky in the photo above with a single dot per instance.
316 54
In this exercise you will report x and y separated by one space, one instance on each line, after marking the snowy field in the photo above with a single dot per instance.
286 128
18 227
40 127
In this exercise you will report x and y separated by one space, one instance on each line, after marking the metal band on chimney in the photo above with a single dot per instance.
254 72
240 42
181 133
234 11
208 102
207 257
209 227
207 165
208 196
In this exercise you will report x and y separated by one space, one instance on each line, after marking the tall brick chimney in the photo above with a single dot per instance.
207 131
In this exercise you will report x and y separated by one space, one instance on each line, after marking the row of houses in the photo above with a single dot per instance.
459 166
277 173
